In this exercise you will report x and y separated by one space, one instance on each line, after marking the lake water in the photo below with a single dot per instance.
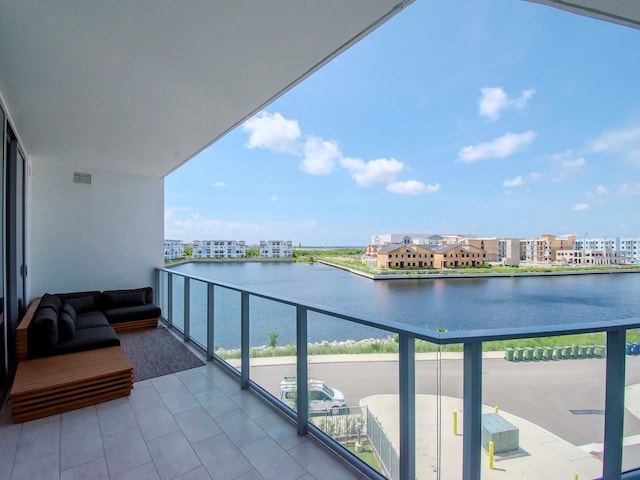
454 304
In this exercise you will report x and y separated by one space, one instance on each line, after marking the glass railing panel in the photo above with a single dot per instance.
177 305
353 389
631 441
227 329
543 407
438 422
163 293
198 312
272 338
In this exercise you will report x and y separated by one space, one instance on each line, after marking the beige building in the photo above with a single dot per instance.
442 256
543 249
458 256
405 256
489 245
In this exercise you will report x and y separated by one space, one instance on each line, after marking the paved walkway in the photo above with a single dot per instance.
350 358
542 455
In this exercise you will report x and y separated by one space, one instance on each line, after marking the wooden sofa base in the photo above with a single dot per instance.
51 385
134 325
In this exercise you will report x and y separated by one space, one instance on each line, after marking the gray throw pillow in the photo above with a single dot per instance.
66 327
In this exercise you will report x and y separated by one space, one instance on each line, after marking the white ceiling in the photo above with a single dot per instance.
623 12
141 86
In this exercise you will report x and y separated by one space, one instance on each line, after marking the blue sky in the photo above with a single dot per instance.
494 118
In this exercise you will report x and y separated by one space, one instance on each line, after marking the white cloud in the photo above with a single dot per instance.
581 207
194 227
600 195
273 198
219 184
273 132
615 139
534 176
495 99
320 156
500 147
629 190
568 168
374 173
516 182
412 187
624 142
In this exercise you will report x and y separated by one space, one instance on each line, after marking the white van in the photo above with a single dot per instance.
321 397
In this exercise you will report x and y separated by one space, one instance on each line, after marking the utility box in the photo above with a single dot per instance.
496 429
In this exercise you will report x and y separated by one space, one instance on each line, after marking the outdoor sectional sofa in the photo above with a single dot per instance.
69 352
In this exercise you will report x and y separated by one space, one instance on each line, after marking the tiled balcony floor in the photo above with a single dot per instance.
196 424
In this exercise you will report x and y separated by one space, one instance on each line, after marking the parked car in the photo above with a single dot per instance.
322 398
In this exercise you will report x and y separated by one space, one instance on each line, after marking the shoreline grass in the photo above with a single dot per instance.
390 345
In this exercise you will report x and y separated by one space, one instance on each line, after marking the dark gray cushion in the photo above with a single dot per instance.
124 298
83 304
65 297
66 327
127 314
69 310
85 339
52 301
91 320
42 332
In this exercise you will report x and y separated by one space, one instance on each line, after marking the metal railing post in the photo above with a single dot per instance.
210 320
302 396
170 298
614 404
187 308
472 411
244 340
407 375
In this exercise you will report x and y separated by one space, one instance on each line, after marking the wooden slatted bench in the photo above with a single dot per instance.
57 384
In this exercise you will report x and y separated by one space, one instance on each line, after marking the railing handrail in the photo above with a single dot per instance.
439 338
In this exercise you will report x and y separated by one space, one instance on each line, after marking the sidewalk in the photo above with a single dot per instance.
542 455
348 358
632 400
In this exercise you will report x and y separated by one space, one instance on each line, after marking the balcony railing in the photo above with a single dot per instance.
210 314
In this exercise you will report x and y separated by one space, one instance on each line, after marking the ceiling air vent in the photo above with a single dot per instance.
84 178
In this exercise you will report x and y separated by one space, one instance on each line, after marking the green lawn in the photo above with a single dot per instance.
366 455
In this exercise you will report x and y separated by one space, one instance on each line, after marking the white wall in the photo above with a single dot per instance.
106 235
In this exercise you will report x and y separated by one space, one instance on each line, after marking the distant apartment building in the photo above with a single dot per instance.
628 248
276 248
489 245
543 249
173 250
219 249
428 239
589 257
421 256
509 251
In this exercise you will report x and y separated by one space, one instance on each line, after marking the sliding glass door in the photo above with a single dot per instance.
12 255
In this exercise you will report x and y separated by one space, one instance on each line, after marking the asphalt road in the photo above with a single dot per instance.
565 397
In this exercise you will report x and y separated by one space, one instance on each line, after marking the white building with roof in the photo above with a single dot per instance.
276 248
219 249
173 249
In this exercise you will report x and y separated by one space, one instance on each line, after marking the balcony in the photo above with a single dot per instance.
196 423
429 392
419 409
